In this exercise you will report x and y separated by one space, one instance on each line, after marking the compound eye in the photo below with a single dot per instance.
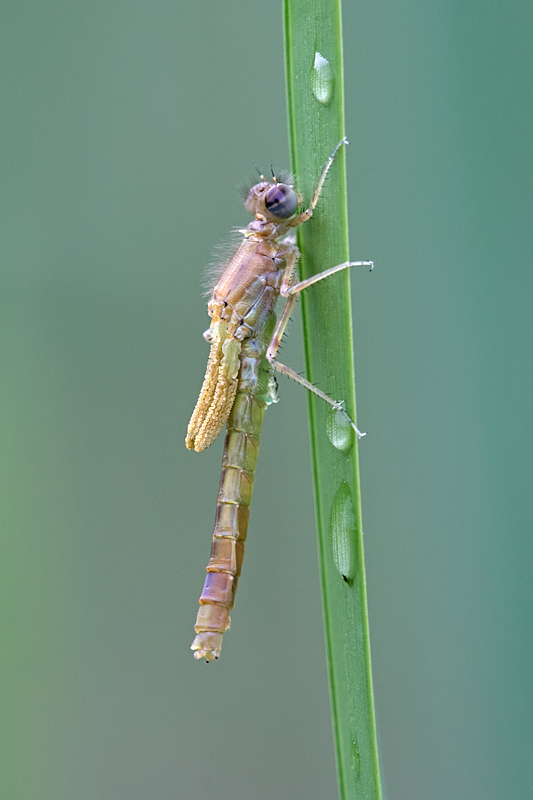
281 201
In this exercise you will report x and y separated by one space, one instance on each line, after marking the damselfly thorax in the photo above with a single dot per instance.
239 384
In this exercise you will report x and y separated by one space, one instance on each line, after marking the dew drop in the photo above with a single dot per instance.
322 79
339 430
342 532
273 391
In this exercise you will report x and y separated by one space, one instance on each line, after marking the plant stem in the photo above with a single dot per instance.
316 125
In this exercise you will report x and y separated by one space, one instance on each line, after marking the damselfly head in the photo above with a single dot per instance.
255 195
272 200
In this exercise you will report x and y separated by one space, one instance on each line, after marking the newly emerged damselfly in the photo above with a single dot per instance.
239 382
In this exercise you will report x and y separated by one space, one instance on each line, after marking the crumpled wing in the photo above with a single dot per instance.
218 391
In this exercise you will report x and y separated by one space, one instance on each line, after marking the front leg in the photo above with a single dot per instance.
308 213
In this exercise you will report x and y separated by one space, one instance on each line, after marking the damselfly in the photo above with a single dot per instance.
239 382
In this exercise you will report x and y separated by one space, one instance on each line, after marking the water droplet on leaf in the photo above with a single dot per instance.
322 79
342 532
339 430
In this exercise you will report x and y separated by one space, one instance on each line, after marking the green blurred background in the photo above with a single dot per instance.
125 128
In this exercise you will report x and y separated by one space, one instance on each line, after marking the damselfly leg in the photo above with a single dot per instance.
290 293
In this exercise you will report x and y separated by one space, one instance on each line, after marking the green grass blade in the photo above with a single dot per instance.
316 124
